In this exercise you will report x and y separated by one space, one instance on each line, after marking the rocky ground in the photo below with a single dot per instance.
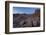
24 20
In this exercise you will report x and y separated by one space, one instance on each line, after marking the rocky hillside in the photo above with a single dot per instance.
24 20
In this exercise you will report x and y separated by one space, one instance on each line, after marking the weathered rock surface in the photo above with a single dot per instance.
23 20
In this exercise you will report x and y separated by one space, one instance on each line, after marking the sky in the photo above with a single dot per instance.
22 10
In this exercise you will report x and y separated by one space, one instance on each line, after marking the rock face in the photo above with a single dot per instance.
24 20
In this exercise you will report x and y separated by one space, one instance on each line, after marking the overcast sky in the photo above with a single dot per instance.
22 10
